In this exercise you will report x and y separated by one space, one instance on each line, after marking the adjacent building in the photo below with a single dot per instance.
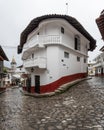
99 66
2 74
99 63
54 51
7 79
91 69
14 74
100 23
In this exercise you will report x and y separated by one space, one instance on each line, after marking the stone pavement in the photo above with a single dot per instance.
80 108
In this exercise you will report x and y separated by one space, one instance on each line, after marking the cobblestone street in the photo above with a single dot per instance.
80 108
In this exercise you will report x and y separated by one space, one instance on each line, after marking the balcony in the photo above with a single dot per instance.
41 40
98 64
35 62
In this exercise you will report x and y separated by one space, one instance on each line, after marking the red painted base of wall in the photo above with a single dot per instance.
99 74
32 89
2 89
54 85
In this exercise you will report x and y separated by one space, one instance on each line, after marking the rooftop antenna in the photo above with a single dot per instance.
67 8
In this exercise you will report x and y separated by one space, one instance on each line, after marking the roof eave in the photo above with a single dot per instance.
35 22
3 55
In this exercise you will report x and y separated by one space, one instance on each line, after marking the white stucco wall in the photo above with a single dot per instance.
42 74
57 65
53 27
52 63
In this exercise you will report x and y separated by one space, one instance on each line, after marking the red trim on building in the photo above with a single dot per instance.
99 74
24 88
32 89
54 85
2 89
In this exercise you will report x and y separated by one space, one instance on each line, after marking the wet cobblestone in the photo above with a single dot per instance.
80 108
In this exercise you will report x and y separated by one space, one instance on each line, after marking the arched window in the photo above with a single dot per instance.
62 30
77 42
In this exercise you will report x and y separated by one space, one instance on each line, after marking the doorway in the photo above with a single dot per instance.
37 83
28 84
101 71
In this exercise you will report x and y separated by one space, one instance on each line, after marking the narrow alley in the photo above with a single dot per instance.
80 108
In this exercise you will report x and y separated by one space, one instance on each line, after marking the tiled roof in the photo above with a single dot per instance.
3 55
35 22
100 24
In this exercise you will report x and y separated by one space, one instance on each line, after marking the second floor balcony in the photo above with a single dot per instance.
39 62
98 64
42 40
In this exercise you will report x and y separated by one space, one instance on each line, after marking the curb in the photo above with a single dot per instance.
60 90
67 86
36 95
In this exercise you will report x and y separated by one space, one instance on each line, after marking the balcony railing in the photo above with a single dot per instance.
42 40
35 62
49 39
98 64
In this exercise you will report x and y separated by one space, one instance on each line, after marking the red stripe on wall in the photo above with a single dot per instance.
54 85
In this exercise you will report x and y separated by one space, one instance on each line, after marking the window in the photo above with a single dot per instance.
99 69
66 54
62 30
62 60
32 56
8 76
77 42
38 33
78 59
85 60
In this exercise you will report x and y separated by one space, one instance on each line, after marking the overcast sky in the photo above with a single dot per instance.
15 15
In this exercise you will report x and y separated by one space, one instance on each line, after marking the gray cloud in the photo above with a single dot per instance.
15 15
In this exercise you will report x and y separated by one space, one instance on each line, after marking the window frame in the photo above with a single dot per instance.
62 30
78 59
32 55
66 54
85 60
77 45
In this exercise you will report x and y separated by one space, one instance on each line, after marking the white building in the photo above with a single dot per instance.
54 51
99 63
14 74
91 68
2 73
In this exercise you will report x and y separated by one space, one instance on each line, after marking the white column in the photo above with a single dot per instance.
32 79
